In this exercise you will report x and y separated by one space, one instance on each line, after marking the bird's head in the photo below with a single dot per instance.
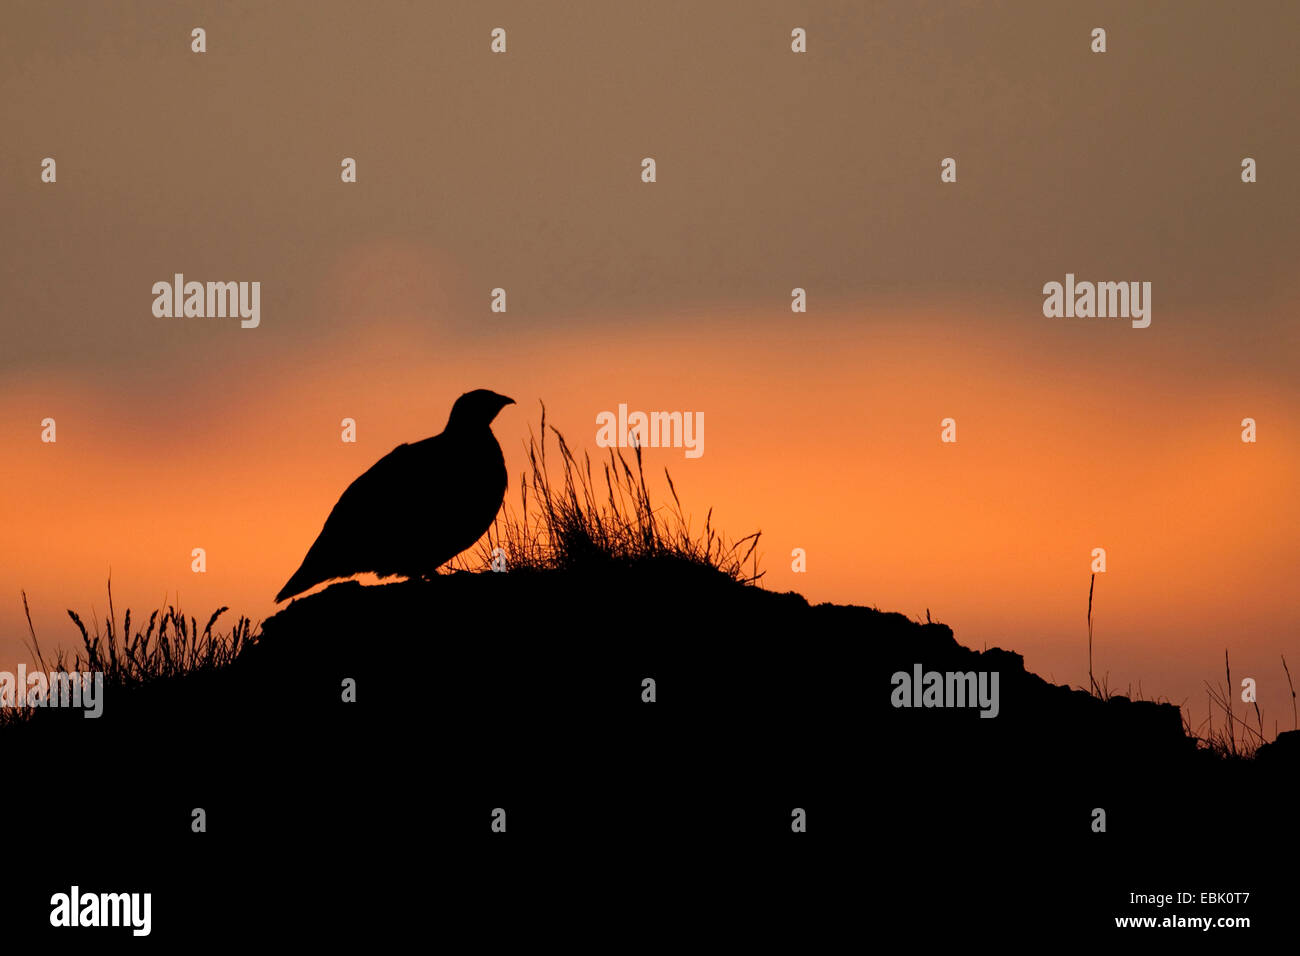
476 409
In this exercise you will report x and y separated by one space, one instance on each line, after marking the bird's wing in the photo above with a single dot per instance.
377 494
370 492
372 501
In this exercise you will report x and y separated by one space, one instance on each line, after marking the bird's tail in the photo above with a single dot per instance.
302 579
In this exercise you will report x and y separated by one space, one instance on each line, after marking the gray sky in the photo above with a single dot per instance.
521 170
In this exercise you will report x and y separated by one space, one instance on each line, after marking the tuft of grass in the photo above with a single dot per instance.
1224 742
575 519
170 646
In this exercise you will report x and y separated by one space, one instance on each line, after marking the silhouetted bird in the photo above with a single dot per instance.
417 507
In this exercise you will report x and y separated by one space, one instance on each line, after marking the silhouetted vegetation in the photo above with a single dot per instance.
1221 741
575 520
169 646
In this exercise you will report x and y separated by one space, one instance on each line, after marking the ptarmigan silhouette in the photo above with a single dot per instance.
417 507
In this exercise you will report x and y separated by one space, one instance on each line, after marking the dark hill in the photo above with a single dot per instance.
524 691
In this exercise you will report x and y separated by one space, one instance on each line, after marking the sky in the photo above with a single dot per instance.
774 170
